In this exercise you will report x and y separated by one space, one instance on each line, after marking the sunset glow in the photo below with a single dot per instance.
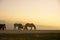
39 12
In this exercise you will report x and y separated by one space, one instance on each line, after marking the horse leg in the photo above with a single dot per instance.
34 28
2 28
25 28
31 28
14 27
18 28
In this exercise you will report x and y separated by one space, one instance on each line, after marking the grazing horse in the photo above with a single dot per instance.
20 26
30 25
2 27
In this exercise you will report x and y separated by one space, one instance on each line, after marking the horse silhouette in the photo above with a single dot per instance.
2 26
25 27
30 25
20 26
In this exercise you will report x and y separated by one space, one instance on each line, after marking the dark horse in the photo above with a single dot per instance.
30 25
20 26
2 27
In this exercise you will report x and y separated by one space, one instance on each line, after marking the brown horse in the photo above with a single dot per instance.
2 27
30 25
20 26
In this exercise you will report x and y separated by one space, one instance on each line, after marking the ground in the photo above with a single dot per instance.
43 36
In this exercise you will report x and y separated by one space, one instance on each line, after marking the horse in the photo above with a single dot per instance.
30 25
20 26
2 26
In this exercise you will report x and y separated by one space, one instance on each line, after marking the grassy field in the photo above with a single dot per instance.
33 36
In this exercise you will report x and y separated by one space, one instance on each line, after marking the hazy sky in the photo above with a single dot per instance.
41 12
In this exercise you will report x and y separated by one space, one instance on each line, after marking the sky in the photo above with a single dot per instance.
39 12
